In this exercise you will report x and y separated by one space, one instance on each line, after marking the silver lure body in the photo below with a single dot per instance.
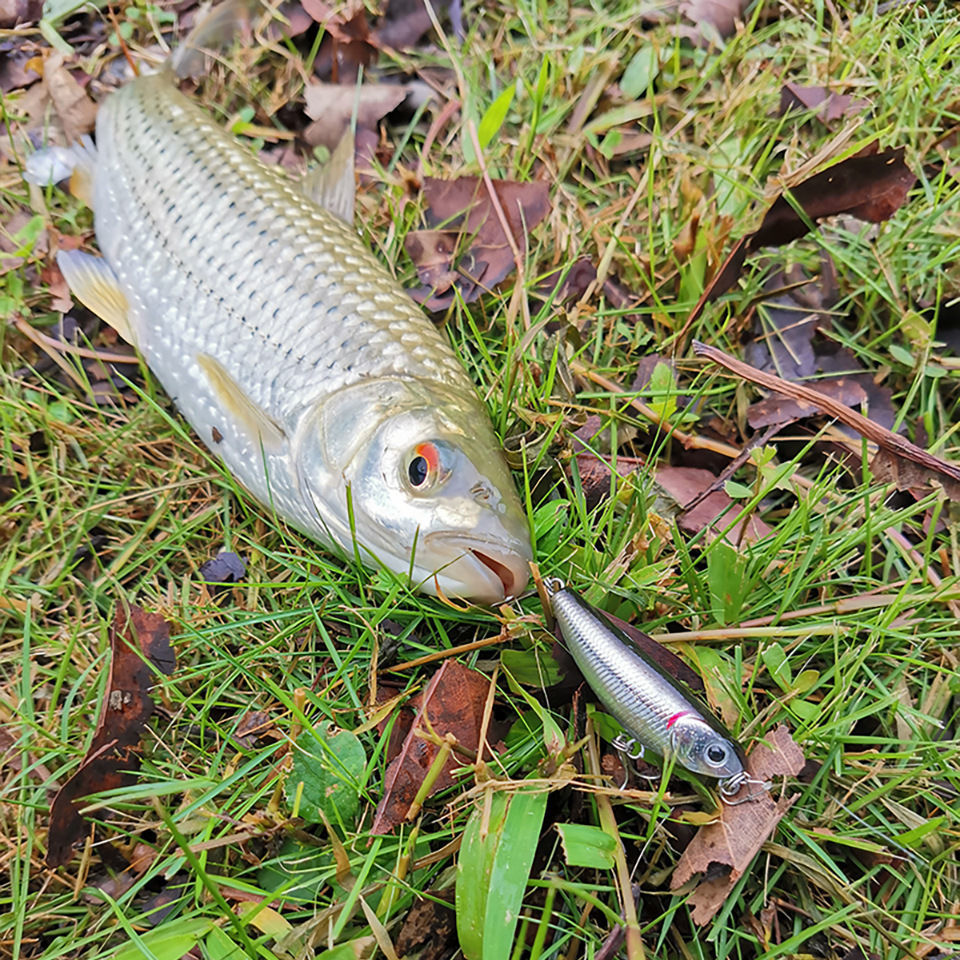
653 708
291 350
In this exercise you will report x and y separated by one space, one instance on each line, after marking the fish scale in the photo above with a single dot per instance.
292 351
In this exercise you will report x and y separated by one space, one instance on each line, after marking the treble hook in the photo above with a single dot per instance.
730 787
629 749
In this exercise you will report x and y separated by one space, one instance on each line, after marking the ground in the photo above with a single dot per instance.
829 611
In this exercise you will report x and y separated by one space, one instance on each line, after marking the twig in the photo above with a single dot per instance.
887 439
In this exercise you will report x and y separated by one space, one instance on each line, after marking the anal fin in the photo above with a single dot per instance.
252 418
93 282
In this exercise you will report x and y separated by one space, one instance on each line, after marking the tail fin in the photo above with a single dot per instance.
214 30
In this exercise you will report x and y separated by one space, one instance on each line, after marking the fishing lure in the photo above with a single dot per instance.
656 710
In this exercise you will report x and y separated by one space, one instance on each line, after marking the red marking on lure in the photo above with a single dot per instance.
676 717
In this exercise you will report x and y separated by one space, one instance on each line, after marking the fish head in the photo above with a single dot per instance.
701 748
429 492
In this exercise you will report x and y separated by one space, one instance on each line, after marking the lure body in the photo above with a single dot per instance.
654 709
292 351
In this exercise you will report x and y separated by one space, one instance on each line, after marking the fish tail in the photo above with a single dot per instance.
214 30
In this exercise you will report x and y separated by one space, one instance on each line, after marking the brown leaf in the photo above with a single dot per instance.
687 484
828 105
721 15
868 187
453 703
76 110
15 12
463 210
346 46
943 472
778 409
734 840
330 106
430 927
139 646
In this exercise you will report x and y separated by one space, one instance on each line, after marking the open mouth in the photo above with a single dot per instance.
504 574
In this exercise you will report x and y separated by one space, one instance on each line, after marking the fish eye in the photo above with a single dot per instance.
716 754
417 471
425 466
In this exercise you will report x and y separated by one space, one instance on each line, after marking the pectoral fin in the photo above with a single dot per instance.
93 282
251 417
332 186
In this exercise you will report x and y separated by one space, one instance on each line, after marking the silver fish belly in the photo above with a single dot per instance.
654 709
292 351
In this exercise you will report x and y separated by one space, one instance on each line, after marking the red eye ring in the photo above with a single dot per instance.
431 454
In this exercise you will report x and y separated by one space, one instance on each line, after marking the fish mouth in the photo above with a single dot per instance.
483 571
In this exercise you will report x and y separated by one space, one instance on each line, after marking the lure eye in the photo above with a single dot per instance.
424 466
716 754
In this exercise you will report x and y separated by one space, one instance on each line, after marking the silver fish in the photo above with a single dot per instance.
655 710
288 346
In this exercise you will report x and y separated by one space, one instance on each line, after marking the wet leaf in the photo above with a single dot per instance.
330 764
140 649
829 106
462 211
870 188
453 703
735 838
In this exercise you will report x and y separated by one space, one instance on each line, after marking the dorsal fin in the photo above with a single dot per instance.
332 184
215 29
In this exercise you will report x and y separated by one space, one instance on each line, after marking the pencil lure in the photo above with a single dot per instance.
655 710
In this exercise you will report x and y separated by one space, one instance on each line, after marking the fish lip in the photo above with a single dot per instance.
504 567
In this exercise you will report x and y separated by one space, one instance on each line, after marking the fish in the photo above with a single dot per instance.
289 347
655 710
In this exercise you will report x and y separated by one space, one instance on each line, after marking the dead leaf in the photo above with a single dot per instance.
139 646
346 48
872 188
430 928
777 409
15 12
686 485
331 106
225 568
453 703
462 212
720 15
868 186
735 838
829 106
945 473
76 110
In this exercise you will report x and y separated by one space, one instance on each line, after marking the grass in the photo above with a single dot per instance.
118 503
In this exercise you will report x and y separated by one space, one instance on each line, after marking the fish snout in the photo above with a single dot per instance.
480 570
